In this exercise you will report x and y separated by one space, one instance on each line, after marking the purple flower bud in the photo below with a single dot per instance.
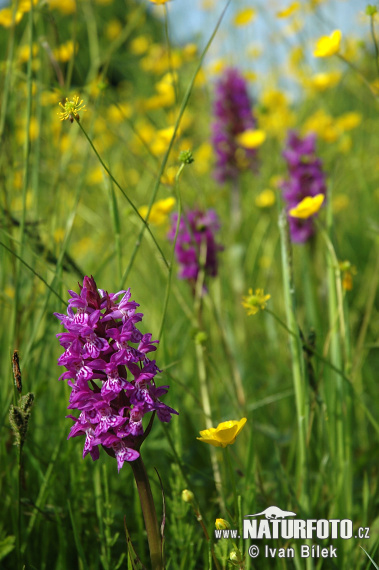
195 228
233 116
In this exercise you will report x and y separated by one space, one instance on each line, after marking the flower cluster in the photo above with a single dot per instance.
306 179
195 228
112 381
233 116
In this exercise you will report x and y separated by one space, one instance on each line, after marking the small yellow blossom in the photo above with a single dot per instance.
71 109
349 121
244 17
323 124
140 45
65 51
307 207
159 211
190 51
224 434
118 113
169 175
23 52
221 524
58 235
291 9
253 302
187 496
328 45
217 66
265 199
67 7
322 81
251 138
274 113
159 1
6 16
113 29
204 154
95 176
250 75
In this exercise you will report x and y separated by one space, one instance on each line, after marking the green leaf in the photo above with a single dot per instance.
7 545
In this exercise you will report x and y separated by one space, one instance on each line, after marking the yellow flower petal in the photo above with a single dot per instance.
224 434
328 45
244 17
253 302
265 199
307 207
159 211
6 17
291 9
251 138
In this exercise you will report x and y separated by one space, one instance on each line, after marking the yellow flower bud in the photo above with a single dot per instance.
222 524
187 496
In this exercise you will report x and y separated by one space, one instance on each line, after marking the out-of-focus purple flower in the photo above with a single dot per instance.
195 229
112 381
233 116
305 178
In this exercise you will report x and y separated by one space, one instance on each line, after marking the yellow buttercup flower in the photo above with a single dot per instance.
349 121
159 211
251 138
159 1
6 16
265 199
244 17
221 524
328 45
254 302
307 207
224 434
322 81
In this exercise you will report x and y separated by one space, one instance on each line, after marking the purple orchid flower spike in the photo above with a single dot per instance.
112 381
305 178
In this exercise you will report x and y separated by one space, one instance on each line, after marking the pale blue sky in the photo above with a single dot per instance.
188 21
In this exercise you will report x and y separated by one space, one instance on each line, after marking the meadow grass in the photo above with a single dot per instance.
302 370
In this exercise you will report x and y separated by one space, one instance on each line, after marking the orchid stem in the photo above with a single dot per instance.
149 513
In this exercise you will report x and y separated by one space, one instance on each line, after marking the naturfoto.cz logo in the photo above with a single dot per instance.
281 524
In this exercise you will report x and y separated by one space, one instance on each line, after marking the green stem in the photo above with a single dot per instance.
300 385
201 367
168 286
145 224
309 347
232 476
149 513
